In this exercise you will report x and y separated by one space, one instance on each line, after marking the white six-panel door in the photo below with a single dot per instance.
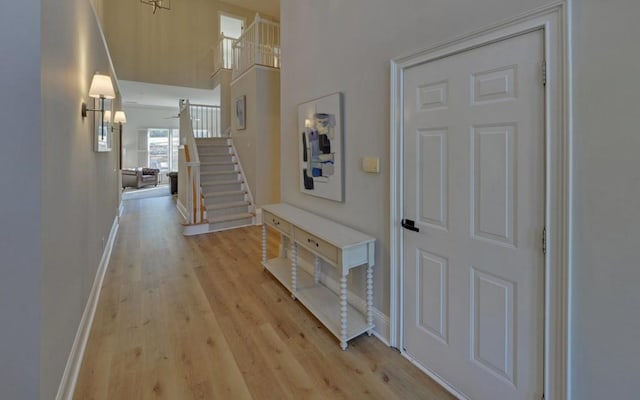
473 162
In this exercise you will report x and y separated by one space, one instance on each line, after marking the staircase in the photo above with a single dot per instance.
225 196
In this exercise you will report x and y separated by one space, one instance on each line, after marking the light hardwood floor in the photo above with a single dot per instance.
198 318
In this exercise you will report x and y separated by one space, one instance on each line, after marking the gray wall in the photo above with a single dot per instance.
258 145
170 47
358 38
80 195
20 201
606 210
337 46
223 79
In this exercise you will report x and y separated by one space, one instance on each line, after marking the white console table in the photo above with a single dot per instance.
338 245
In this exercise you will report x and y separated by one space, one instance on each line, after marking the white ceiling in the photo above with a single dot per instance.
266 7
153 95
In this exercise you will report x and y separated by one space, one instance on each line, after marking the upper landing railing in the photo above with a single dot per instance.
259 44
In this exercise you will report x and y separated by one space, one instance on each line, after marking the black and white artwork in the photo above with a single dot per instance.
321 159
240 108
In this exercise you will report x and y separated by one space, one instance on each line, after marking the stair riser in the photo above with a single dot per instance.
218 168
224 199
217 141
207 150
226 158
227 187
217 178
227 211
218 226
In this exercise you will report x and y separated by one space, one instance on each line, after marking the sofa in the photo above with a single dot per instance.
139 177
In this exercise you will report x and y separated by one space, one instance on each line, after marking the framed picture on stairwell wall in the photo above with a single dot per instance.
240 112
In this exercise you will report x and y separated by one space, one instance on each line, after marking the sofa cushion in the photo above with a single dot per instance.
150 171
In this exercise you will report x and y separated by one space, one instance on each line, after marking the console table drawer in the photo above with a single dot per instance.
314 243
276 222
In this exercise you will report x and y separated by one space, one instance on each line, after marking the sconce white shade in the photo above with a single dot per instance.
101 86
107 116
119 118
307 123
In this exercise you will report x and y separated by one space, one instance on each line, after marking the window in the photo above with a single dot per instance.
162 149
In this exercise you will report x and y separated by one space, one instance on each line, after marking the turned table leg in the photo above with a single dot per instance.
370 299
294 268
343 312
316 269
264 245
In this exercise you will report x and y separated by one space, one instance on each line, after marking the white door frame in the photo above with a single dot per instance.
552 20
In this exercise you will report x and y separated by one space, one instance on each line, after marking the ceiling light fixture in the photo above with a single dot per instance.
158 4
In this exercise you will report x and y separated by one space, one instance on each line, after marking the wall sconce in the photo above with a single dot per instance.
120 118
101 88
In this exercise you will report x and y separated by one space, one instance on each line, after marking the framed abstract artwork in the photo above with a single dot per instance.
321 147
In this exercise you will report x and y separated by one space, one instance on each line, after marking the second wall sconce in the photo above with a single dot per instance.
119 117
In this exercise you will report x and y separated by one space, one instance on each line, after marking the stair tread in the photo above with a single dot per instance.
233 217
227 193
218 163
211 154
217 173
216 183
213 144
232 204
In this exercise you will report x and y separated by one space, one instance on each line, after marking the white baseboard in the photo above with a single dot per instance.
74 362
453 391
190 230
380 320
120 209
181 209
258 216
383 327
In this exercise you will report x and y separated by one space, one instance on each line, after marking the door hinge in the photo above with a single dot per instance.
542 398
544 243
544 73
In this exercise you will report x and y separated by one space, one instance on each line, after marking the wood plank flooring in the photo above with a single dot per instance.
198 318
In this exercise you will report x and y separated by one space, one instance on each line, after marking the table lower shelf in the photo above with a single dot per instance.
323 303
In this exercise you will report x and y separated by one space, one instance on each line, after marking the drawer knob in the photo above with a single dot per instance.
309 240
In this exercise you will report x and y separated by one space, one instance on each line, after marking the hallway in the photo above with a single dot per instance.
198 318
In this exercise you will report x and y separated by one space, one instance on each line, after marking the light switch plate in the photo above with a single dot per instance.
371 164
